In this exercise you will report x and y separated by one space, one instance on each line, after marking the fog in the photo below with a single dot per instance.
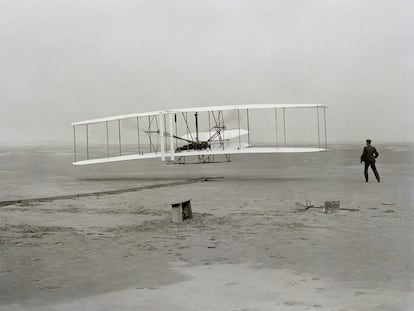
64 61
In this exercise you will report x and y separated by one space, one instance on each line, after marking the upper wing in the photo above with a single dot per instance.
244 107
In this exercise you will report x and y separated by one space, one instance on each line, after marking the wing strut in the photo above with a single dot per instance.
196 125
319 133
107 138
74 141
87 142
238 124
248 127
119 137
138 140
170 121
284 125
326 135
277 136
162 137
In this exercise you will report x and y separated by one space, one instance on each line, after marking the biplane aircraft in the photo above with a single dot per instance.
203 133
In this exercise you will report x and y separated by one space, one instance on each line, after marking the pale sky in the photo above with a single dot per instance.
70 60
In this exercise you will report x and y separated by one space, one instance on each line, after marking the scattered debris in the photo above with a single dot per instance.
350 209
329 206
312 206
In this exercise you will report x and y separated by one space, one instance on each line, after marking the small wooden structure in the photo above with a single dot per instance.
181 211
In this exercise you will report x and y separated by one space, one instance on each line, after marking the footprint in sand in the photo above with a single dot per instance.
50 287
232 283
142 288
292 303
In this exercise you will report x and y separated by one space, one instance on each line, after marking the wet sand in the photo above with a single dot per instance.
250 245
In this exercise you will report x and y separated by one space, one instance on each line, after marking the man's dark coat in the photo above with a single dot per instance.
369 154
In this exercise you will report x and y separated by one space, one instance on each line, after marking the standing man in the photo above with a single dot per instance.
368 156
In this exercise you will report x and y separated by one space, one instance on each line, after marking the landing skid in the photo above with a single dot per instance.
201 159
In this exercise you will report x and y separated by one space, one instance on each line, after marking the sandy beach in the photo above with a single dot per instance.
251 245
